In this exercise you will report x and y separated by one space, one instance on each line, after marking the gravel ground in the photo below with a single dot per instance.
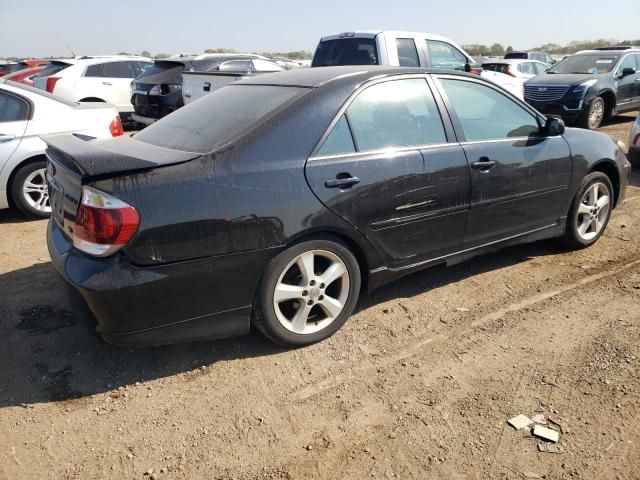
419 384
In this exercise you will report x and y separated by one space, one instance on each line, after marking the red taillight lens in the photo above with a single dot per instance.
103 223
51 83
115 127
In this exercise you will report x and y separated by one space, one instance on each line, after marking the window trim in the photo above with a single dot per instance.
618 71
449 130
457 125
27 101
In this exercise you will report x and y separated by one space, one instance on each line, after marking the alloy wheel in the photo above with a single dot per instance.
596 114
593 211
36 192
311 292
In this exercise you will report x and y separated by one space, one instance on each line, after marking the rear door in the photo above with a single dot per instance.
519 179
111 81
387 167
14 117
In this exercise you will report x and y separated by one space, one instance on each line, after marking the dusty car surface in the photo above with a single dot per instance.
276 199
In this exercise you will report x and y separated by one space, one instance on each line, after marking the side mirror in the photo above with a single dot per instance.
553 127
467 67
627 71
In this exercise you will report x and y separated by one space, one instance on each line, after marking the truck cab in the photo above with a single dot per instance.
401 49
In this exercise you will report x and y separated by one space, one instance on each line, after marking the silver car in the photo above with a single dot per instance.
634 144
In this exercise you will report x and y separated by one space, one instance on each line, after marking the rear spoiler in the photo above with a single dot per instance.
89 158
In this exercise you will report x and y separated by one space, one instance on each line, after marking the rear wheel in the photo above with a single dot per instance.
590 211
29 190
592 118
308 292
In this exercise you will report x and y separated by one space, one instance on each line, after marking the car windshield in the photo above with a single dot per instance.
52 69
219 117
346 51
585 64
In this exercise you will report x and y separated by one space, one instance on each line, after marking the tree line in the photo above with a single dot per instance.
497 50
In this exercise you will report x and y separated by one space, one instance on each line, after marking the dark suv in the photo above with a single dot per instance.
539 56
589 87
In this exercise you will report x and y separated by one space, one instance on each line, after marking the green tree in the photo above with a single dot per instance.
160 56
509 49
145 53
219 50
497 50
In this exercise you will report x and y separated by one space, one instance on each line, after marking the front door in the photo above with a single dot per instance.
387 169
519 178
628 86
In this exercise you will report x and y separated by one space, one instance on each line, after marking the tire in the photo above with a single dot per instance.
583 210
595 114
29 190
634 156
326 307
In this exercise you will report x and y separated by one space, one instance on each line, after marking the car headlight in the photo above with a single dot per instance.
584 86
155 90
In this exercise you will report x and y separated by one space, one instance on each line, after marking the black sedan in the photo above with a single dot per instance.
275 200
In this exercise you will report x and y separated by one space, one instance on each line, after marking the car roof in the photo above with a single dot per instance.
109 58
375 33
513 61
316 77
608 52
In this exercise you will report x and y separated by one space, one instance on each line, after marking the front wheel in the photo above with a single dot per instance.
592 118
29 190
590 211
307 292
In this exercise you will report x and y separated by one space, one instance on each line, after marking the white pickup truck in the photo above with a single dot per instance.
198 84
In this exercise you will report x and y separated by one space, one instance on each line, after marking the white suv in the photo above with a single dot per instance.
93 79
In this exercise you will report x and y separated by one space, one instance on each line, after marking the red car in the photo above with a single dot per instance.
24 64
24 76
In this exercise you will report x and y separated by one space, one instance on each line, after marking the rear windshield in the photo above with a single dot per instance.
162 72
591 63
13 67
496 67
346 51
519 55
52 69
219 117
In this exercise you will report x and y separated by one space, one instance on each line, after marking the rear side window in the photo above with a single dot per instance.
219 118
265 66
12 109
94 71
486 114
444 55
518 55
346 51
527 68
235 66
407 52
399 113
540 68
339 140
119 70
496 67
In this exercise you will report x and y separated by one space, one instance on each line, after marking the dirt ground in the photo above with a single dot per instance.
419 383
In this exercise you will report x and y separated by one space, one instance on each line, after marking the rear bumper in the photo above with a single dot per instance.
145 120
199 299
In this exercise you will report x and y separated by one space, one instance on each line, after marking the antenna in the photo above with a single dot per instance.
72 53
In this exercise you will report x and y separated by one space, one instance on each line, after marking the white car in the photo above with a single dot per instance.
94 79
511 74
25 114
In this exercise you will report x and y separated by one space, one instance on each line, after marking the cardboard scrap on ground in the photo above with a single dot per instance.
520 422
546 433
550 448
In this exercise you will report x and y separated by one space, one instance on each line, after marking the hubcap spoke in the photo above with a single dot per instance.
336 270
584 226
331 306
287 292
584 209
299 320
603 201
306 265
593 195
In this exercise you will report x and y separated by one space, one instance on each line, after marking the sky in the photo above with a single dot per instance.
44 27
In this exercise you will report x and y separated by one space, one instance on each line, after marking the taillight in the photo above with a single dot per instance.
511 72
115 127
104 224
51 83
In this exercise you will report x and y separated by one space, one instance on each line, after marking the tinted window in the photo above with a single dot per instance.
218 118
346 51
407 52
339 140
119 70
266 66
398 113
540 68
486 114
496 67
12 109
235 66
93 71
586 63
518 55
443 55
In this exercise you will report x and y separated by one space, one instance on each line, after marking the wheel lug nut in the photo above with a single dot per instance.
320 298
312 283
305 293
310 302
322 285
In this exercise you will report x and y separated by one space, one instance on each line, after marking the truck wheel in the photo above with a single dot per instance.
592 118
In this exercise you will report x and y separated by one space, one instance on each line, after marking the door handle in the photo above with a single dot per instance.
342 182
207 86
107 83
484 164
6 137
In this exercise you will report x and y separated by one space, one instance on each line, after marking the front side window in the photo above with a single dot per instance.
407 52
398 113
486 114
627 62
12 109
527 68
444 55
540 68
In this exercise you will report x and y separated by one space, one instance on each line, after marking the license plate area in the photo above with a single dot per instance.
56 197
